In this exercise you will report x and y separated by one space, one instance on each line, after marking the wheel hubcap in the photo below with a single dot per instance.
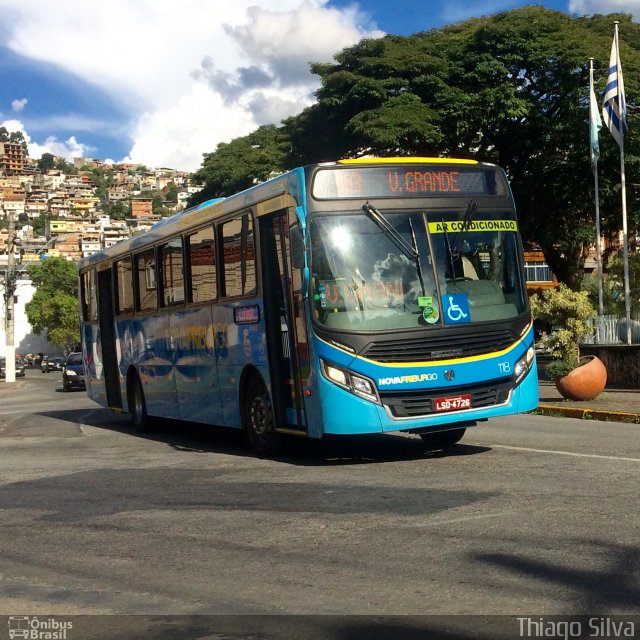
260 415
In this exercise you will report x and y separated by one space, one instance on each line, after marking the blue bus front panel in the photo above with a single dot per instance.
345 413
409 394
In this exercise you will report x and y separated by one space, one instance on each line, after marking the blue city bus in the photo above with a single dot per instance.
352 297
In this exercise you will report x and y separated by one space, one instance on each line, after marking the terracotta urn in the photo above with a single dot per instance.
585 382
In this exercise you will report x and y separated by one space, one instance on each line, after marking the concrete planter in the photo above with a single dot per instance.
585 382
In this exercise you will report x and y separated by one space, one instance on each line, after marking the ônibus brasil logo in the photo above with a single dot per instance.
34 628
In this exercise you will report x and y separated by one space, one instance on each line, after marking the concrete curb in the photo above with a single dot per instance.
587 413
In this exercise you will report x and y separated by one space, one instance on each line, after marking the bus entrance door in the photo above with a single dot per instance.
284 321
108 341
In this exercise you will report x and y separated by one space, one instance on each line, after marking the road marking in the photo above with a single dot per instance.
559 453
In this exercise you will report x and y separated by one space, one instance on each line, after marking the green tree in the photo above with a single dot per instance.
615 281
14 136
40 225
511 88
66 167
241 163
172 193
54 306
46 162
118 209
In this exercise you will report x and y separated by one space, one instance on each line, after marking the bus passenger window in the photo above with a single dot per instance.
124 286
89 296
146 281
172 265
201 253
239 257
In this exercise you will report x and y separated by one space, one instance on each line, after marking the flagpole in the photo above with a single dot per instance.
614 114
598 249
625 246
623 189
597 198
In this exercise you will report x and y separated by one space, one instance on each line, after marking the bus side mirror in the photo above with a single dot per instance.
297 247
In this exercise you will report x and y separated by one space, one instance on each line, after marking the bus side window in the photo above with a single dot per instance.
239 257
201 253
172 270
297 247
89 296
124 286
145 271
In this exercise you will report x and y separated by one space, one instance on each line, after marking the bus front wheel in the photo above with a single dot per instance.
259 422
138 407
442 439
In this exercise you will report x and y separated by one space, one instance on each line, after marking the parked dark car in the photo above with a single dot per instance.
20 368
52 364
73 372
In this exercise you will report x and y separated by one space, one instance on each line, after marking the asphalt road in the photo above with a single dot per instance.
528 515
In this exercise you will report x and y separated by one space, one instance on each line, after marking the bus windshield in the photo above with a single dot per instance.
467 269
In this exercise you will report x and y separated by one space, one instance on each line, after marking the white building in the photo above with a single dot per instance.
25 341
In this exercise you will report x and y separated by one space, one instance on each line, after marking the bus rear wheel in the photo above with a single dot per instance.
138 407
259 422
443 439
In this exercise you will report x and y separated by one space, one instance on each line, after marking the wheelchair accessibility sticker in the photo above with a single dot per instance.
455 308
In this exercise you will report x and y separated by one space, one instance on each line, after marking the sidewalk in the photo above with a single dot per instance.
616 405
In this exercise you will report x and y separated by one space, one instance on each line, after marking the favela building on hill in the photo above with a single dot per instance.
72 211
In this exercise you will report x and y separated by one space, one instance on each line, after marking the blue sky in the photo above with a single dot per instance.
162 82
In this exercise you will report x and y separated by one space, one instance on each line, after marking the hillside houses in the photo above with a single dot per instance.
71 215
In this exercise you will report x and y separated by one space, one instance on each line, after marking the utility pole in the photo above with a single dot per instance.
9 293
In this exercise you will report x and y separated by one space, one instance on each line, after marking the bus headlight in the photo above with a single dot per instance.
523 366
355 383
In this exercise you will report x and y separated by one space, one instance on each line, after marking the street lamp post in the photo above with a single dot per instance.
9 293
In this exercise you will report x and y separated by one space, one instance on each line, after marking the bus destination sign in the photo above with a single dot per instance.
407 181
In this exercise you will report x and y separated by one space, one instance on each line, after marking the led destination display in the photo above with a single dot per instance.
406 181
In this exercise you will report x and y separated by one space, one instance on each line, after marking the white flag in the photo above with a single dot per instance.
614 109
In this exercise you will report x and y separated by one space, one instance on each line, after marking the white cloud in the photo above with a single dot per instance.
68 149
18 105
191 74
589 7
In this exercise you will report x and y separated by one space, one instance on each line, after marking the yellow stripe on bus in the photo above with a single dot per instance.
434 363
406 161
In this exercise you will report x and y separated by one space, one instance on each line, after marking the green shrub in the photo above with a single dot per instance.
560 368
567 312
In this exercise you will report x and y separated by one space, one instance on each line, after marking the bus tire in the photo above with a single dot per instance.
259 422
138 407
443 439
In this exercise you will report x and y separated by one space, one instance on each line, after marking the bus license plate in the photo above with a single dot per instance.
453 403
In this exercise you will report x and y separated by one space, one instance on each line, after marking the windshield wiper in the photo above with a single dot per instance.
466 224
450 250
390 231
417 258
453 251
409 250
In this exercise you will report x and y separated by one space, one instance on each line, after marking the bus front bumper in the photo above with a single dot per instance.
347 414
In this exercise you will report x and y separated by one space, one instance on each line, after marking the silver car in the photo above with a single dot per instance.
20 368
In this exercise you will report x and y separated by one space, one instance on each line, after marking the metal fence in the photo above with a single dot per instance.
613 330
